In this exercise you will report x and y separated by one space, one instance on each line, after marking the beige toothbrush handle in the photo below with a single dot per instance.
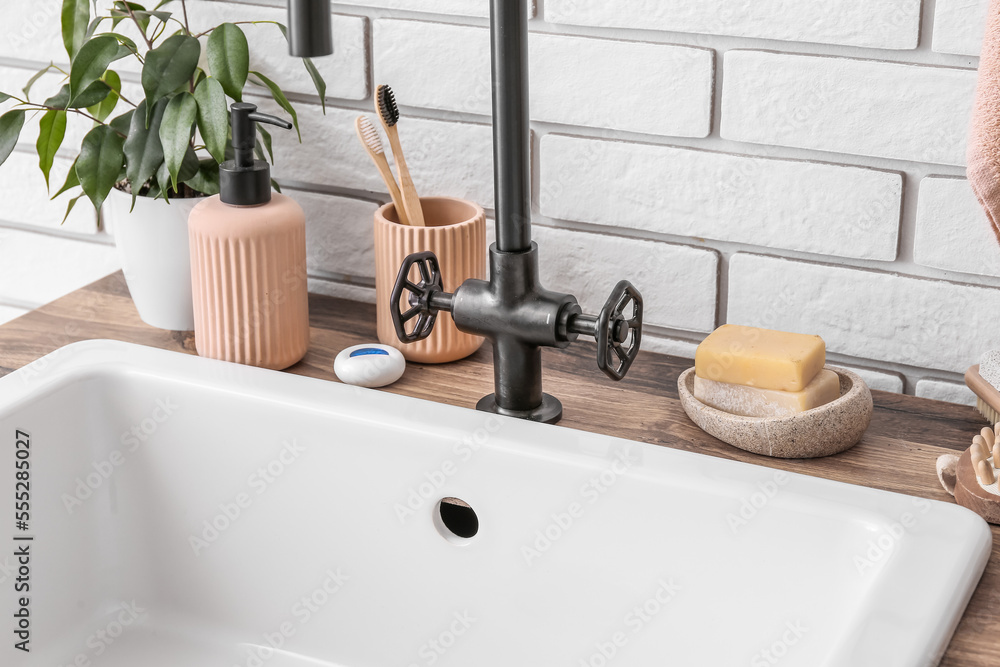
411 201
390 182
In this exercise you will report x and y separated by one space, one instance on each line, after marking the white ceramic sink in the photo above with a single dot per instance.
191 513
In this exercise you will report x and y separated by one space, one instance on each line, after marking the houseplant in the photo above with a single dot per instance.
142 154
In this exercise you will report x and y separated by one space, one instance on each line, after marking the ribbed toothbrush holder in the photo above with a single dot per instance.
455 231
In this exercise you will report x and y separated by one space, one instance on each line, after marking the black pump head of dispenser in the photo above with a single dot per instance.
244 180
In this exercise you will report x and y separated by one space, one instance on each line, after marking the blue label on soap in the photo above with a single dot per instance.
368 351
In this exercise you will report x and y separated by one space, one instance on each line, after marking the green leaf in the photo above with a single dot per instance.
143 150
176 129
51 131
4 97
69 208
229 58
72 180
92 28
189 167
213 117
118 17
206 181
318 81
265 139
75 17
60 100
168 67
35 77
127 47
100 162
142 15
94 94
282 101
91 63
10 129
121 124
276 186
121 12
102 110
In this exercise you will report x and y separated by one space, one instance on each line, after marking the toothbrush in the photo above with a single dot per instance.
376 151
388 112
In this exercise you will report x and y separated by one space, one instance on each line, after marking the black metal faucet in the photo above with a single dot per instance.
512 309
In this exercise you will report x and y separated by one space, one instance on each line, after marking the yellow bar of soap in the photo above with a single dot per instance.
760 358
739 399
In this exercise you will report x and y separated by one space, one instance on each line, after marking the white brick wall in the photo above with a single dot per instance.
804 206
30 30
959 25
36 267
338 239
589 265
891 382
867 314
448 67
843 105
797 165
883 24
480 8
953 232
951 392
21 175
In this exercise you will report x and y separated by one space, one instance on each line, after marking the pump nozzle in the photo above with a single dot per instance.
245 181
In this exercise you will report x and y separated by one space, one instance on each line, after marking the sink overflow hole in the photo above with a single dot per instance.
457 518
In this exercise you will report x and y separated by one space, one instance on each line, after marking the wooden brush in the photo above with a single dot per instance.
388 112
987 397
968 475
376 151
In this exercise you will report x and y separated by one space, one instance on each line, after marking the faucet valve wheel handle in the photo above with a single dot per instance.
424 299
619 330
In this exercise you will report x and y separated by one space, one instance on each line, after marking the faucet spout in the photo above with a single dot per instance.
511 124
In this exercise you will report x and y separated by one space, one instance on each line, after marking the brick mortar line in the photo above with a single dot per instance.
714 142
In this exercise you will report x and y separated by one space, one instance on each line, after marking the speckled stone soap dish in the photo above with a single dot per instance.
828 429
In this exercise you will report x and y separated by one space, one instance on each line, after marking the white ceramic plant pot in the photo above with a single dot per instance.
152 242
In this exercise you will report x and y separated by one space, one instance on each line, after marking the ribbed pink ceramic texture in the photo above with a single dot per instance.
250 289
456 233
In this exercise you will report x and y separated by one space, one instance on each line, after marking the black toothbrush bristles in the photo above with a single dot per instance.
387 106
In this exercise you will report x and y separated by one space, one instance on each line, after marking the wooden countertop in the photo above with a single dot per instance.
904 428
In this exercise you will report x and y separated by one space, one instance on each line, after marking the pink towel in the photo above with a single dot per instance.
983 159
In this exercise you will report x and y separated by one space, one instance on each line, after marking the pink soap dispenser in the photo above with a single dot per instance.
248 261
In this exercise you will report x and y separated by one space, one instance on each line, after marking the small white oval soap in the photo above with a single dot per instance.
369 365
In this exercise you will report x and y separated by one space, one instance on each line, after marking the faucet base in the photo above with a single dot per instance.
549 412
